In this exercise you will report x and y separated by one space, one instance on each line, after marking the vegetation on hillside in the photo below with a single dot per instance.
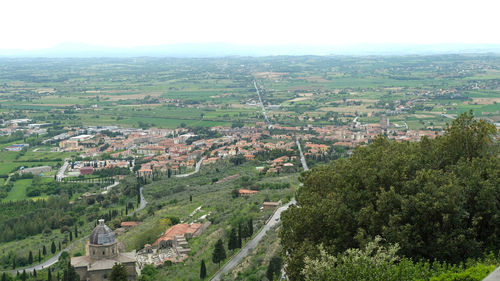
435 198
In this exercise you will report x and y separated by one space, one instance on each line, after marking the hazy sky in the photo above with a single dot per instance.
31 24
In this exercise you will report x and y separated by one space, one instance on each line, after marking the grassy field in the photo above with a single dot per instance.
169 93
18 191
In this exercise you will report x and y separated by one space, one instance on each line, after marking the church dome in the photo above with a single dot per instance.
102 235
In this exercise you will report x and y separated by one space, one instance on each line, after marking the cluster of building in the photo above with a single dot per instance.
172 245
24 125
178 150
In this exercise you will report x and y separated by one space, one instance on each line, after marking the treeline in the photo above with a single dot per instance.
273 154
25 218
111 172
38 188
434 198
17 135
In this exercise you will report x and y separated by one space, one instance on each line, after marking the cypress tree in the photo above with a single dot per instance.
70 236
34 272
39 255
53 247
239 236
76 231
14 263
30 258
4 277
250 227
244 231
219 253
59 245
69 273
232 243
203 270
49 275
44 250
23 276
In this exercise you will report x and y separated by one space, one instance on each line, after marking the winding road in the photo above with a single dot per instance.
236 259
196 170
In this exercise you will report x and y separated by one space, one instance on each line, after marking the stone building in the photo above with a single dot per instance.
102 254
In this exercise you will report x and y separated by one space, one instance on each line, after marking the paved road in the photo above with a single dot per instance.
50 261
261 103
196 170
143 203
236 259
108 188
302 158
494 276
448 116
60 173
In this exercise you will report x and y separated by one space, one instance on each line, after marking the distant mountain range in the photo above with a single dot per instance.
225 49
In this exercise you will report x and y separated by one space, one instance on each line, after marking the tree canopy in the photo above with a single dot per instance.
437 198
118 273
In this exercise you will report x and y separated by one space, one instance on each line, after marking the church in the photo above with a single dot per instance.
102 254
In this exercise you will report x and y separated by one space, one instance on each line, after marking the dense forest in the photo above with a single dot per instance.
436 199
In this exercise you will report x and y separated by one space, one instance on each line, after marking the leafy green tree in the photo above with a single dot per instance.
149 273
274 268
203 270
432 198
466 138
376 262
118 273
219 253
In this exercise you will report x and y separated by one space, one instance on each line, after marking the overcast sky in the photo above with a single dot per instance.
32 24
